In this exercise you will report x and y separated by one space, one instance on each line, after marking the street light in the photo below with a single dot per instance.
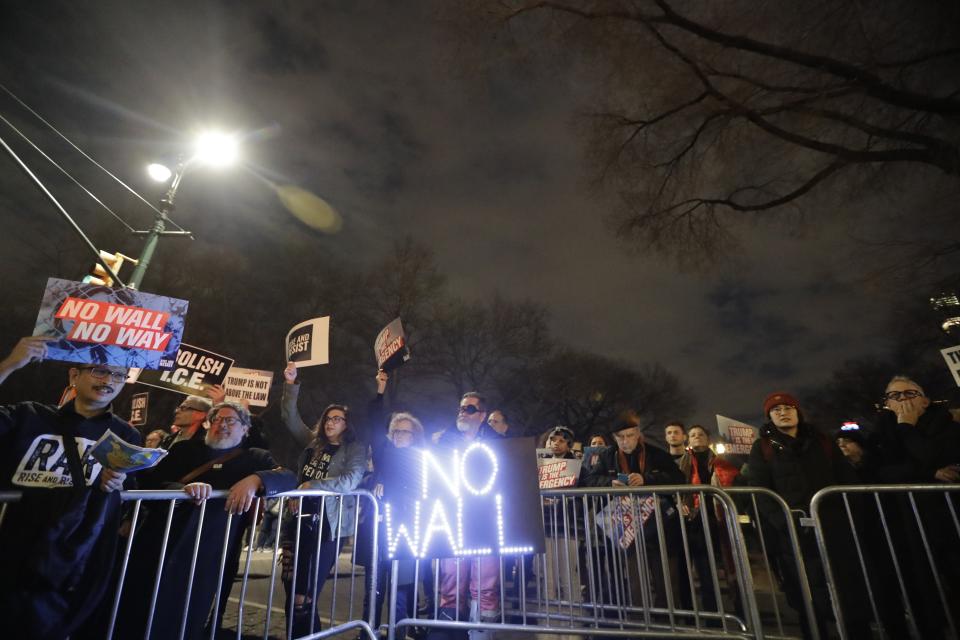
214 149
159 172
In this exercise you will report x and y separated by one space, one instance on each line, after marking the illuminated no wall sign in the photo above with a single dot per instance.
474 502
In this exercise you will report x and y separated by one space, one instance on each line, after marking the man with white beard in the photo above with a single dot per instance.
197 467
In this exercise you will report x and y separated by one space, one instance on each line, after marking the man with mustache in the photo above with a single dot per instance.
197 467
63 530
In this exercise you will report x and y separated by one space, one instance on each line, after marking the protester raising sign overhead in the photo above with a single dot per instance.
194 371
250 385
308 343
120 327
390 347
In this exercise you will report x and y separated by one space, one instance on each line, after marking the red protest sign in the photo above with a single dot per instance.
108 323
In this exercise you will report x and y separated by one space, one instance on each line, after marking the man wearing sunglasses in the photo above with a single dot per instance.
480 577
188 419
63 530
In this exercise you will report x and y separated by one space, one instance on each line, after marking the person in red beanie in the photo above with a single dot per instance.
795 460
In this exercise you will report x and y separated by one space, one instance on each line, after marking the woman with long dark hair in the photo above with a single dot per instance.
333 460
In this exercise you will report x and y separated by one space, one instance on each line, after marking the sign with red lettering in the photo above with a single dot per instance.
556 473
737 436
95 324
390 347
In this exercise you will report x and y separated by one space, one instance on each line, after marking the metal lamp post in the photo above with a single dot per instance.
215 149
159 228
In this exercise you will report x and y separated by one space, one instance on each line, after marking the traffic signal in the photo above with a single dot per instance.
98 275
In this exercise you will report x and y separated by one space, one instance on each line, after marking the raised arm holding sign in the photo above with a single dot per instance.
308 343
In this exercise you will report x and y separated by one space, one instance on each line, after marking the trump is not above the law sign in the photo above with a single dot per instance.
98 325
250 385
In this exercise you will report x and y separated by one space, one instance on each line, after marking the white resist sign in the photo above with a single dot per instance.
252 385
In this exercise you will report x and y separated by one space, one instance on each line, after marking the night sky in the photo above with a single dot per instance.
373 107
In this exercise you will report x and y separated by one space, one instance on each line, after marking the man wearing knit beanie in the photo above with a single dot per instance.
783 410
794 460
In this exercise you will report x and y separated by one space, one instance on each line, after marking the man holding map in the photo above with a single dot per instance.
64 527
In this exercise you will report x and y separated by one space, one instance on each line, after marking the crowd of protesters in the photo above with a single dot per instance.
66 522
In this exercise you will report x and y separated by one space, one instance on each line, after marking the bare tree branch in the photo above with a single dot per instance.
872 84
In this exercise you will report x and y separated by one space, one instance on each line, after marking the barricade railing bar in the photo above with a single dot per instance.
165 504
600 575
909 573
679 561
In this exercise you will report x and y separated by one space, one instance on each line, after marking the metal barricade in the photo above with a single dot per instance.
619 562
897 545
170 536
777 563
701 563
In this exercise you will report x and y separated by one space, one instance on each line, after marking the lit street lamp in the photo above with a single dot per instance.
211 149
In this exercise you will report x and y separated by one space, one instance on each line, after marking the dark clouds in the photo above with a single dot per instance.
369 110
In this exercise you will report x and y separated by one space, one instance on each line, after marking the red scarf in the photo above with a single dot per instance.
695 477
624 464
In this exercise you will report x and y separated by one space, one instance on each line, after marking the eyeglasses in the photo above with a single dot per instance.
186 407
783 408
909 394
228 421
469 409
102 373
335 419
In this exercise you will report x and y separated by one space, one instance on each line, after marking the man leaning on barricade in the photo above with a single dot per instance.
918 443
633 462
59 540
195 467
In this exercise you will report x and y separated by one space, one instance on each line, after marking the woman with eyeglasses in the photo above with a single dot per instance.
795 460
396 483
333 460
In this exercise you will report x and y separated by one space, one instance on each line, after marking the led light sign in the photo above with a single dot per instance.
473 502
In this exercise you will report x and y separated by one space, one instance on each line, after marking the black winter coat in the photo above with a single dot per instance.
795 469
913 454
182 459
660 468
